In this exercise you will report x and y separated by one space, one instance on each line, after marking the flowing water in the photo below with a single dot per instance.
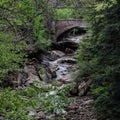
62 62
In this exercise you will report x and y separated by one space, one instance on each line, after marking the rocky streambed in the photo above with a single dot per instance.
61 66
60 62
57 69
58 65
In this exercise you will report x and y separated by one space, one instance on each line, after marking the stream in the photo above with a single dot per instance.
60 61
61 66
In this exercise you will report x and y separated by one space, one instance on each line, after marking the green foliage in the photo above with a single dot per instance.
65 13
99 57
16 105
26 19
10 53
22 23
40 33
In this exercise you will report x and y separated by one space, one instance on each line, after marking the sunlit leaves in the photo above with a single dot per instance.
10 59
18 104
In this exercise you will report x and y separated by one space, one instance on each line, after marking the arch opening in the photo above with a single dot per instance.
71 31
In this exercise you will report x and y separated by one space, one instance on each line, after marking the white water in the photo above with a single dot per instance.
64 64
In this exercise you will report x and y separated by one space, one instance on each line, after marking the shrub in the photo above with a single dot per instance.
16 105
99 57
11 54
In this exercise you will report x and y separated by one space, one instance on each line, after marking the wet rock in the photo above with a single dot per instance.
58 53
69 51
55 54
60 68
66 79
49 76
84 87
52 71
67 60
33 74
40 116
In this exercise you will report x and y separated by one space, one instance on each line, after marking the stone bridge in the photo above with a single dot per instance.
61 26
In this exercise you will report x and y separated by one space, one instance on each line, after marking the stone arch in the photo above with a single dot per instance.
68 28
60 26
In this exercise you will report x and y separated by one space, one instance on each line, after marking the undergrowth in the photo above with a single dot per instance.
17 104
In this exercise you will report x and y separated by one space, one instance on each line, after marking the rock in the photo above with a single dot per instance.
50 117
49 76
66 79
40 115
88 102
52 71
57 83
69 51
80 88
55 54
32 48
32 113
67 60
31 79
71 42
58 53
15 79
33 74
1 118
30 69
83 87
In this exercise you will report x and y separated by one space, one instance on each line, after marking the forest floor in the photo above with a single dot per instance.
81 109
